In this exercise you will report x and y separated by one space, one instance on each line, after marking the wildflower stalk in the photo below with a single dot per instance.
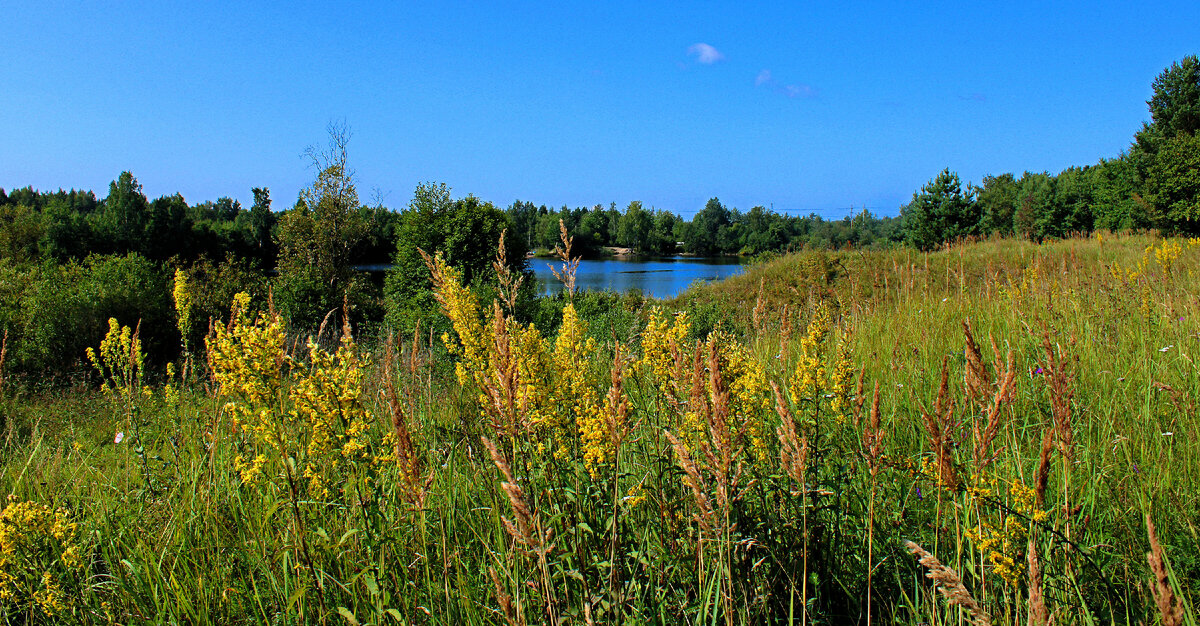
526 527
873 448
950 584
1059 380
937 426
509 281
1037 613
3 357
1170 608
569 265
414 489
793 457
616 412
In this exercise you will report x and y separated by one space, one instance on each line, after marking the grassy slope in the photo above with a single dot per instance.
175 536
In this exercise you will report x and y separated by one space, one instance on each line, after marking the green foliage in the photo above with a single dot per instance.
1175 105
317 240
1171 178
609 316
1165 151
1117 205
941 212
465 232
997 200
704 233
54 312
124 215
212 287
181 534
635 228
21 230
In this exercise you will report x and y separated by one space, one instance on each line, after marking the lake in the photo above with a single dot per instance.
660 277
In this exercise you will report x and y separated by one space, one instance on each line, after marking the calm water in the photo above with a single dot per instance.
661 277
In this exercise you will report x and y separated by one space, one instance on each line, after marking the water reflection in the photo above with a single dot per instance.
660 277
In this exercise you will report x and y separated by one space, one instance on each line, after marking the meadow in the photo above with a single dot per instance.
998 432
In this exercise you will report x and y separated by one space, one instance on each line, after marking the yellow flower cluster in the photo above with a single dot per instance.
246 359
460 305
998 545
635 496
682 375
841 380
528 384
119 362
184 303
249 470
749 392
170 389
39 552
576 397
662 342
981 486
1167 252
328 401
929 469
1003 542
321 421
505 357
1024 500
809 382
1016 291
1146 301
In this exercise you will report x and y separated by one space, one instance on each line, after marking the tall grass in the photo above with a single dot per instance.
769 449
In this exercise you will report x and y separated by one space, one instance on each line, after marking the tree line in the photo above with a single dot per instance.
1153 184
73 224
71 259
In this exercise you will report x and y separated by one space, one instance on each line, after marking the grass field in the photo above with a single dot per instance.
979 435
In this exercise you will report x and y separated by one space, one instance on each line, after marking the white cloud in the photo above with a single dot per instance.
799 91
705 53
765 79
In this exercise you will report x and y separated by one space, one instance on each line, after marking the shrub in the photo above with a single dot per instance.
55 312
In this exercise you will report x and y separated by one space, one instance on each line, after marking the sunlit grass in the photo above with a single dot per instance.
766 508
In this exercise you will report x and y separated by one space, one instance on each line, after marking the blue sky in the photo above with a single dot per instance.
798 106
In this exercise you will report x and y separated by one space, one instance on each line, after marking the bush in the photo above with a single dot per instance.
53 313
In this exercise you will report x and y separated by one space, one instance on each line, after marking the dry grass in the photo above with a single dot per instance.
1170 609
950 584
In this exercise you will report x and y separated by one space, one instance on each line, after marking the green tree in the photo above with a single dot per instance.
262 221
21 228
633 230
662 236
941 212
701 236
1034 193
1118 205
1175 105
1171 184
592 232
316 239
1165 150
121 223
464 231
167 230
997 200
68 232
